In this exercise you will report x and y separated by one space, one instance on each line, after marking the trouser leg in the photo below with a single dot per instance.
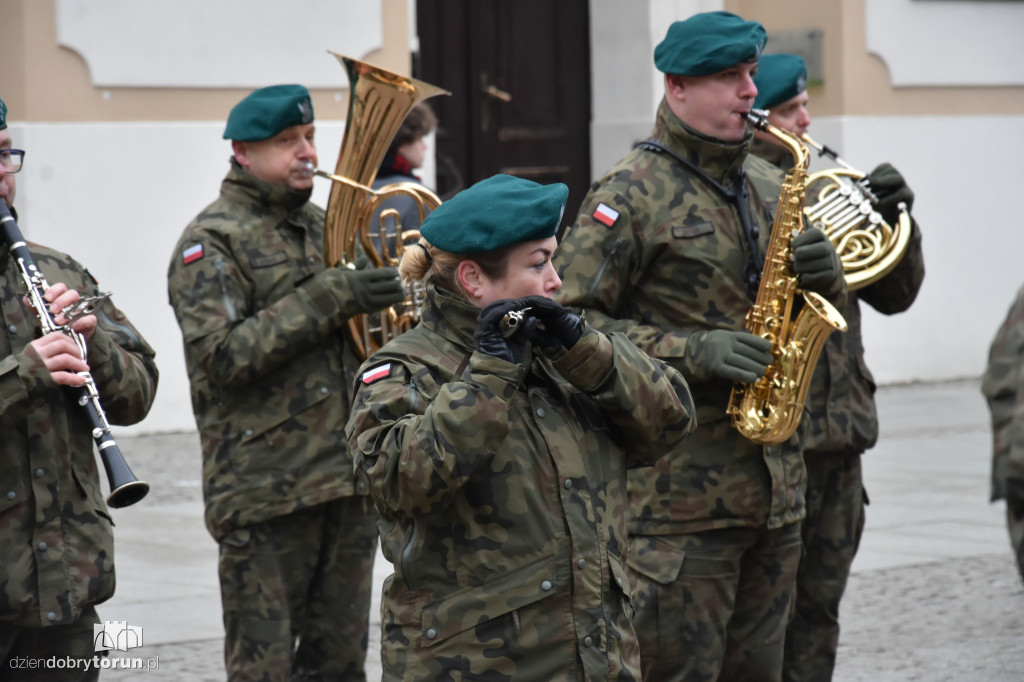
831 535
724 616
60 653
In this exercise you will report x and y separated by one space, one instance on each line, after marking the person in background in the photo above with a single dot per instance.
668 247
494 437
404 157
1003 388
261 316
56 534
842 419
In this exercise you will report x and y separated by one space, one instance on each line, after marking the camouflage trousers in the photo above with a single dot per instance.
69 649
295 593
724 616
1015 524
831 534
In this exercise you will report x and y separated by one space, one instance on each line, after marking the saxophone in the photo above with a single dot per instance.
769 410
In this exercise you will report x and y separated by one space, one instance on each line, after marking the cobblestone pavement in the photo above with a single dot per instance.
955 613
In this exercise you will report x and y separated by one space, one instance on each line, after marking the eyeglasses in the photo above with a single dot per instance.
12 159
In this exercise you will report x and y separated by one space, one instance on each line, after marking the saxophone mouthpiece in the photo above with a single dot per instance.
758 118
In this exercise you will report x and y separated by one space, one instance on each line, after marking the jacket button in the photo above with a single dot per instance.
431 633
40 473
11 495
581 564
12 329
51 616
42 546
546 585
248 432
587 641
325 390
568 484
541 412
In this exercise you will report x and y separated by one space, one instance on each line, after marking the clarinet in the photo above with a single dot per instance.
125 488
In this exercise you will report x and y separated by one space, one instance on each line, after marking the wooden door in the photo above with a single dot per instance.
519 73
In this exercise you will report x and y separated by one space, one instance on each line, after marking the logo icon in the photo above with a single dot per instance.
116 635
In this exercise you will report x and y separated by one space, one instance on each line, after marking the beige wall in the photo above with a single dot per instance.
856 82
50 83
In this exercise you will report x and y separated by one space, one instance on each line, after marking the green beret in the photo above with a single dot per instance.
496 212
267 111
708 43
779 77
3 115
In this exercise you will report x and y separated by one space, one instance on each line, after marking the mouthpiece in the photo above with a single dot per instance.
307 169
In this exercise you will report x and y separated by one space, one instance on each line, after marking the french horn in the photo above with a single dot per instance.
840 202
379 101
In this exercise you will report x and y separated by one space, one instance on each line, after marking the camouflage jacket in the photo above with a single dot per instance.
659 253
56 534
501 492
1003 388
840 413
261 318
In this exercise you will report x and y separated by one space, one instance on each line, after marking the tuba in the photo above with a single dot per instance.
843 207
769 410
378 103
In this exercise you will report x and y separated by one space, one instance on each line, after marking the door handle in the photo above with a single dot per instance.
497 93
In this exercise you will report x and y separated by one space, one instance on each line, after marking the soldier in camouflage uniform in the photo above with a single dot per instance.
841 422
261 316
667 248
56 535
498 460
1003 388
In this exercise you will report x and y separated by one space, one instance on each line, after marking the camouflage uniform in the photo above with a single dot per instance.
501 490
56 534
261 319
840 424
1003 388
721 511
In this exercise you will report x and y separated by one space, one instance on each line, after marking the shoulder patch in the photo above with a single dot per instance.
376 373
192 254
605 214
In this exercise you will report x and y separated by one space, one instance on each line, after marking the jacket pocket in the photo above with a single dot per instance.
470 606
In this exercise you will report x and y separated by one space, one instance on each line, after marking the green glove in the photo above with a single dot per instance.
374 289
736 356
816 263
889 186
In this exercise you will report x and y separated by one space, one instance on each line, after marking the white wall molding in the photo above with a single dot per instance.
221 44
947 42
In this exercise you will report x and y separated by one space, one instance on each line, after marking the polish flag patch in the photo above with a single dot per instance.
605 214
192 254
374 373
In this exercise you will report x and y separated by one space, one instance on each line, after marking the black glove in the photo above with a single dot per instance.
559 326
889 186
736 356
816 263
490 337
373 289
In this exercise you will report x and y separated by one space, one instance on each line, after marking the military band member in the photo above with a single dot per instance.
497 455
842 420
261 316
56 534
668 248
1003 388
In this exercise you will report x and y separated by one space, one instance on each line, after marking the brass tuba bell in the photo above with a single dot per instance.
841 203
378 104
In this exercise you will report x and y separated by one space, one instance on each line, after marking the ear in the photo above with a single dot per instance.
675 86
241 152
471 277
